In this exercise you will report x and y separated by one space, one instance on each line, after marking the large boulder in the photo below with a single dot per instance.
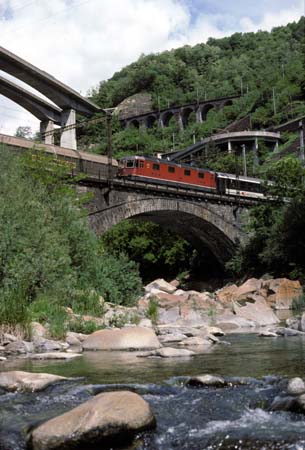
161 285
108 416
257 310
227 294
282 292
26 381
131 338
249 287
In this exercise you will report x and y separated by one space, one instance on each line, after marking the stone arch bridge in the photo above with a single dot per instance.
203 221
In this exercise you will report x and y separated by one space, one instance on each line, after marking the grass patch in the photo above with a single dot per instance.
152 312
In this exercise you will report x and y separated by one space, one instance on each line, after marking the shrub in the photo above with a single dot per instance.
152 312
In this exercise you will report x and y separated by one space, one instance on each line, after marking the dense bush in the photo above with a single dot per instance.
49 258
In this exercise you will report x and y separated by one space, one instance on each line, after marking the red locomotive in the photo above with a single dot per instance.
164 172
160 171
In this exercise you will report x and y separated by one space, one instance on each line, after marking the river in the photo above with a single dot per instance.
236 417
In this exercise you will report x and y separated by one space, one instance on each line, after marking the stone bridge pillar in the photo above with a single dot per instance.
68 133
46 131
179 119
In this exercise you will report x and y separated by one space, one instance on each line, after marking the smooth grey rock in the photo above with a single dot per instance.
206 380
122 339
267 333
296 386
107 415
25 381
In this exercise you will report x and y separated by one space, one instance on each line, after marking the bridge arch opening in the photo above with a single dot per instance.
134 124
151 121
205 110
203 225
167 118
188 116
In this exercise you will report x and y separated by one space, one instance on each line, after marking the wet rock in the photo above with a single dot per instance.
162 285
46 345
55 355
294 323
26 381
19 348
216 331
122 339
206 380
267 333
296 386
256 309
38 331
168 352
281 331
195 340
111 415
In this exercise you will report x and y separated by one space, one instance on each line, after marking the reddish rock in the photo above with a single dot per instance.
282 292
250 286
257 310
227 294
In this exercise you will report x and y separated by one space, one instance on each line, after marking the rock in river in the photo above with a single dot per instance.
168 352
206 380
26 381
131 338
108 416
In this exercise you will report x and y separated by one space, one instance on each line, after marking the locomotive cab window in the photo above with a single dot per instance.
187 172
200 175
156 167
130 164
171 169
141 164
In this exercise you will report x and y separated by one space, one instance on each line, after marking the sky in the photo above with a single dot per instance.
82 42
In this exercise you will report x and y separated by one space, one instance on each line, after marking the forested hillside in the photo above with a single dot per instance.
266 68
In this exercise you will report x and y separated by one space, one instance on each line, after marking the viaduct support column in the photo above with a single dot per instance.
68 135
46 131
255 154
178 117
198 115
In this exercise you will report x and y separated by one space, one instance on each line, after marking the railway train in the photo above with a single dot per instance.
160 171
